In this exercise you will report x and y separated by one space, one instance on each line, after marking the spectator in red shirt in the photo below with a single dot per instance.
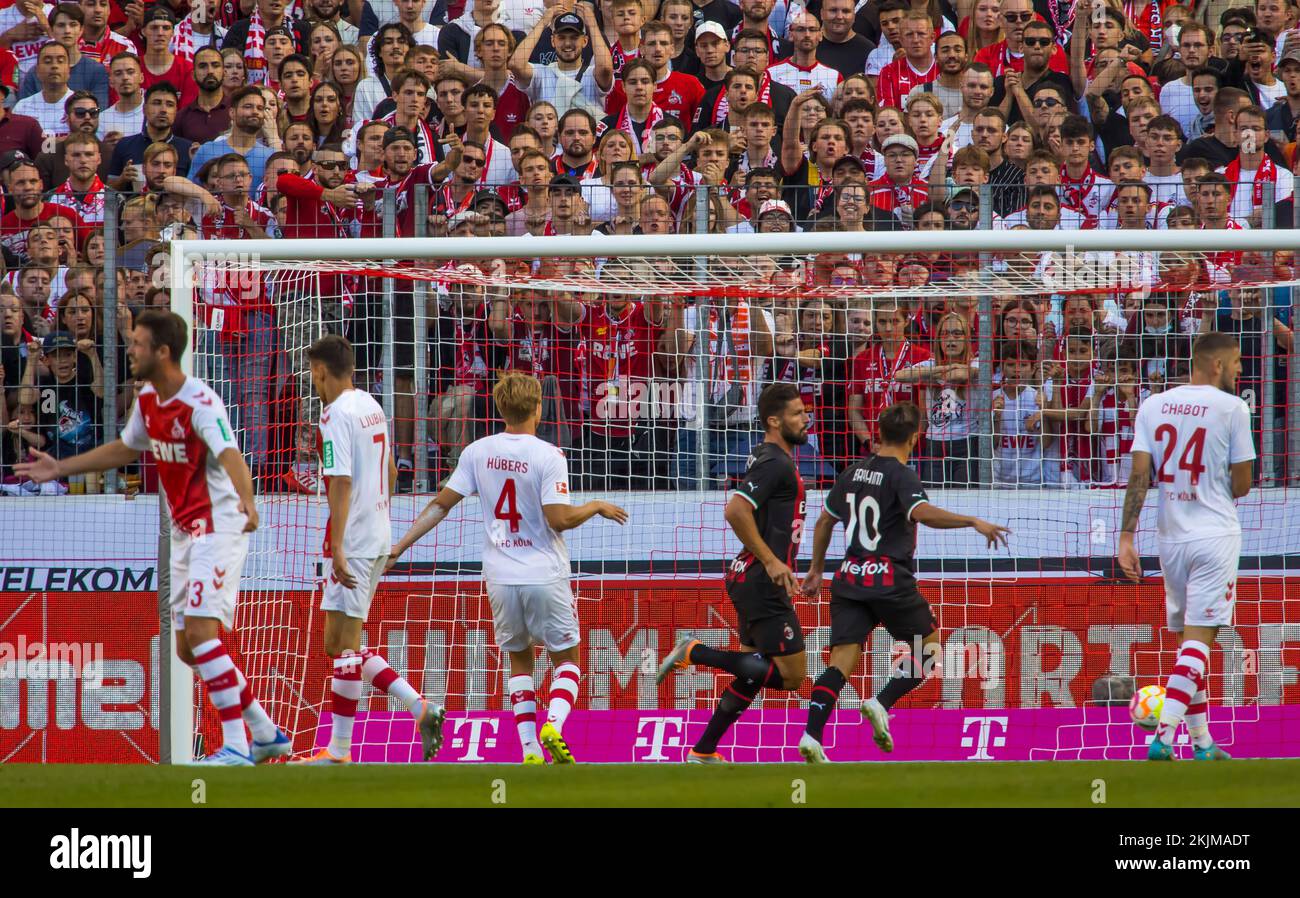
160 63
873 385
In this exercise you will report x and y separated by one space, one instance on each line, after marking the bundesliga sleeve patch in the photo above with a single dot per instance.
327 454
225 431
562 489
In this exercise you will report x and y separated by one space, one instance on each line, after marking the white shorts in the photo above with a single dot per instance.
524 615
1200 581
205 573
354 602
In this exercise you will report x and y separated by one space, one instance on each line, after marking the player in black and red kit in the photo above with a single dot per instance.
880 500
767 514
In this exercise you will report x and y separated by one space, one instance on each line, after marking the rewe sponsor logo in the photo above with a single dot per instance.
89 852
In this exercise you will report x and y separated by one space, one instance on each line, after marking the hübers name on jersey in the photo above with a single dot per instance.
509 465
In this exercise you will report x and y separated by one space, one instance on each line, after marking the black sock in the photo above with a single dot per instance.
824 694
744 665
906 677
735 699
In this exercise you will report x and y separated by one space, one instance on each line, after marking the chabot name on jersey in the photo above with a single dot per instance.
866 569
169 452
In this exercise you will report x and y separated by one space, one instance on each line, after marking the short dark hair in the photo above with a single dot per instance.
1210 344
166 87
1074 127
898 422
774 398
167 329
71 10
479 90
298 58
1019 350
335 353
581 113
1042 190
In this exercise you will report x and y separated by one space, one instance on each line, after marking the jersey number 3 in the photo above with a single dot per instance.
1189 461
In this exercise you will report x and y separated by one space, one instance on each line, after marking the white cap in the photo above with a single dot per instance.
900 140
775 206
713 28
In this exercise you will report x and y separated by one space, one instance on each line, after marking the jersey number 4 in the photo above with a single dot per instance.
864 524
507 509
1189 461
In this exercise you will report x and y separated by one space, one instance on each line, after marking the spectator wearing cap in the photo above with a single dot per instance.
160 105
68 406
248 112
899 190
775 217
713 48
160 63
84 73
18 133
82 110
567 83
568 209
47 105
249 35
1283 114
208 117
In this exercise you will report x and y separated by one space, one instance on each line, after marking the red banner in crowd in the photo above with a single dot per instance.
79 683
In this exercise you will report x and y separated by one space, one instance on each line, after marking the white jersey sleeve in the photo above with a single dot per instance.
555 486
336 443
462 479
134 434
212 425
1194 434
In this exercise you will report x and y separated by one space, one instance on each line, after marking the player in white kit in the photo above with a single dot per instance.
209 492
359 473
523 488
1196 439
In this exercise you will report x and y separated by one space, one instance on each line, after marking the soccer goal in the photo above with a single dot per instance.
1027 351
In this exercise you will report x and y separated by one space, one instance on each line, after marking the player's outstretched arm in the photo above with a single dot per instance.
233 461
812 581
940 519
1139 480
101 458
566 517
431 517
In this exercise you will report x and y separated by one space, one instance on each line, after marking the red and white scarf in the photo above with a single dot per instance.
255 46
722 107
624 124
89 204
1265 174
1074 192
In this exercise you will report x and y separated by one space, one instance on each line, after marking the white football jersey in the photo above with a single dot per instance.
1194 433
354 443
514 475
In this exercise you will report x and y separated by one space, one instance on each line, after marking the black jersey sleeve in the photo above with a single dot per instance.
910 490
837 502
763 478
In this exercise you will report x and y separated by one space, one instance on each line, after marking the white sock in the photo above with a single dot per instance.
254 715
221 680
1198 720
564 693
524 702
1185 681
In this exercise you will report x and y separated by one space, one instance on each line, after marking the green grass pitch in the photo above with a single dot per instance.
1238 783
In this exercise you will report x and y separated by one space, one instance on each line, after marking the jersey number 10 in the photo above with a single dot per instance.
864 524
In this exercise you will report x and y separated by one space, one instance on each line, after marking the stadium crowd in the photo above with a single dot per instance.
239 119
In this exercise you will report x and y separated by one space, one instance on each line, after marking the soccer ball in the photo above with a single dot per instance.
1146 705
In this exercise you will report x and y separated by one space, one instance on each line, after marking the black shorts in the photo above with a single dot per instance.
906 615
765 617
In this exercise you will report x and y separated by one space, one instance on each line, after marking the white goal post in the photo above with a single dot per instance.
423 258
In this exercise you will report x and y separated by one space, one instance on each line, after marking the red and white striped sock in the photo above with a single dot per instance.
254 715
376 672
1186 680
1198 720
524 701
564 693
222 682
345 691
